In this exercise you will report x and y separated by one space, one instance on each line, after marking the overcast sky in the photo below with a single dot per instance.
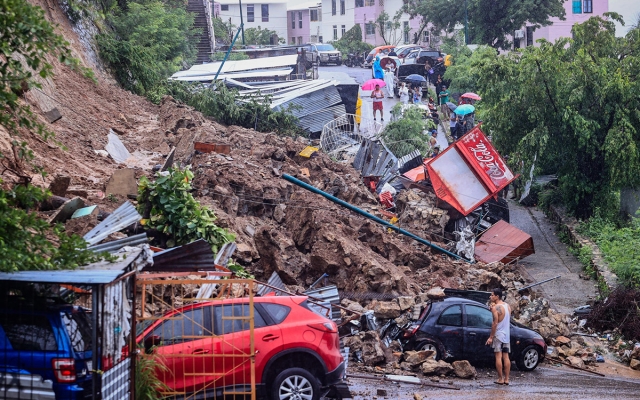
629 9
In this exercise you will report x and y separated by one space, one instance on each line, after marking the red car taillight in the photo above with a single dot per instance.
410 331
64 369
324 327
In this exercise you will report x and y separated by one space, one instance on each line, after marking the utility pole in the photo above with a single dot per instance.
466 23
242 22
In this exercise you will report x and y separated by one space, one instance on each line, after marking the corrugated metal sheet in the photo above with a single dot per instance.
238 65
271 73
120 243
121 218
327 295
374 159
195 256
275 281
314 122
503 242
97 273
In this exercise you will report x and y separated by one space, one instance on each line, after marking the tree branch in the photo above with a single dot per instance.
546 86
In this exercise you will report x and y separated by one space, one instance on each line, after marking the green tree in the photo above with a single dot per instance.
490 22
573 105
150 41
26 40
259 36
388 27
351 42
405 134
224 31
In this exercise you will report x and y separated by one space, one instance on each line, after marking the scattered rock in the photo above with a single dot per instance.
418 357
406 302
387 310
381 392
436 293
560 340
60 185
635 364
417 396
576 361
433 367
372 352
463 369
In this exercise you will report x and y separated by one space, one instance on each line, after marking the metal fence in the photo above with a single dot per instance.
197 336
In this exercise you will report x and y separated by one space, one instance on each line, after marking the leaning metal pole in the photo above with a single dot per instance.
370 216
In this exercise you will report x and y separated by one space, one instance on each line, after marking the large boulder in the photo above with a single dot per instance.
635 364
576 361
417 357
463 369
387 310
372 349
433 367
406 302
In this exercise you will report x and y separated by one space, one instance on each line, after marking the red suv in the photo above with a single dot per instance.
205 349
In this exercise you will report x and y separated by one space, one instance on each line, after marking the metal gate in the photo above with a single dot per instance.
196 335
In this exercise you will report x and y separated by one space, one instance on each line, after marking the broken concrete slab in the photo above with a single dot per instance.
122 182
66 210
60 185
116 148
53 115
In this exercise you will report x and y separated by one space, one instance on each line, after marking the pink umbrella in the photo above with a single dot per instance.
471 96
371 84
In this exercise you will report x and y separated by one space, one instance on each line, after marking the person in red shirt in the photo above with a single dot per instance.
377 97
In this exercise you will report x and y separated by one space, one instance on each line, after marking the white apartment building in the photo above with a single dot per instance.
337 18
266 14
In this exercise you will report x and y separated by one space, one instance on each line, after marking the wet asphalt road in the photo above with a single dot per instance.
546 383
551 259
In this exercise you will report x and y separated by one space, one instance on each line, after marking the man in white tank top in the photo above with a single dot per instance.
500 336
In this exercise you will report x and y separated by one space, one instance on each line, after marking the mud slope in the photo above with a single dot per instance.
279 226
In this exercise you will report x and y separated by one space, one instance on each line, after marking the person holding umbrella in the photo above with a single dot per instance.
377 97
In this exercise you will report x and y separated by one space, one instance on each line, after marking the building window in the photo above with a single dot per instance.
320 39
359 3
342 7
405 30
299 39
333 7
344 29
313 15
370 28
529 35
265 13
335 32
425 36
369 3
587 6
577 6
249 12
224 7
293 20
300 19
293 41
388 25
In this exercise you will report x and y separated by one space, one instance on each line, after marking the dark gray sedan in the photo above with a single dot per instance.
457 329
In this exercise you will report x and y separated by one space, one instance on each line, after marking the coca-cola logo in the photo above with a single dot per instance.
486 157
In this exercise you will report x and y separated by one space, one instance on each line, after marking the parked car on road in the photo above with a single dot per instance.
206 348
377 51
403 50
323 52
45 351
420 56
457 329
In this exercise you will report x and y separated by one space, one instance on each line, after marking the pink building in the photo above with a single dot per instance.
576 11
303 23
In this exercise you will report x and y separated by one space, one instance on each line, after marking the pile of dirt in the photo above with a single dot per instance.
279 226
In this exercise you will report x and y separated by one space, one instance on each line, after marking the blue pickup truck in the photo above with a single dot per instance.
45 351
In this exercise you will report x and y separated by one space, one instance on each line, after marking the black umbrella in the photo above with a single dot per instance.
451 106
415 78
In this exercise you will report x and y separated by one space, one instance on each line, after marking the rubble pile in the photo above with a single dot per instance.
417 212
539 316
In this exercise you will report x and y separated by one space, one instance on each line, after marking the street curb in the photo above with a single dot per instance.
568 225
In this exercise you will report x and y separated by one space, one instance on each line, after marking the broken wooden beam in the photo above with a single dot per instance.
212 148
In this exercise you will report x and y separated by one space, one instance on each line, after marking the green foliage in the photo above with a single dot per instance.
169 209
150 41
223 106
219 56
259 36
620 246
224 31
490 22
351 42
465 66
574 105
148 385
404 135
24 236
388 27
